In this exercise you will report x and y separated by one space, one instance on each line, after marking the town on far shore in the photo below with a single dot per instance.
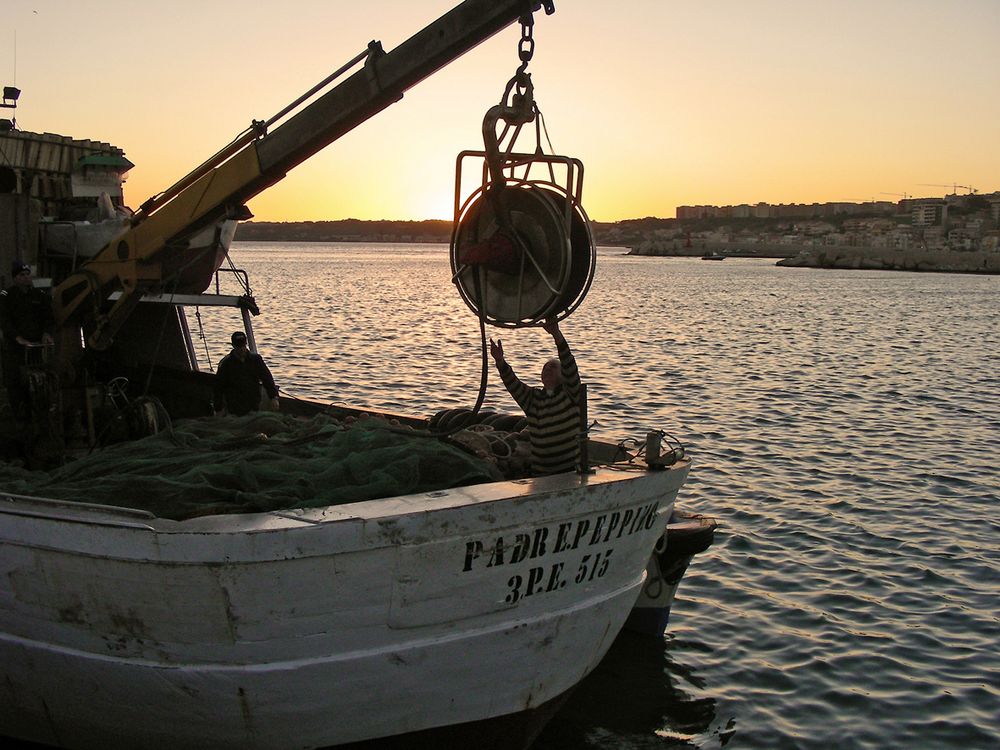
969 222
957 232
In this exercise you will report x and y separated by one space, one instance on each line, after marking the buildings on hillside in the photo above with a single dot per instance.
783 210
955 222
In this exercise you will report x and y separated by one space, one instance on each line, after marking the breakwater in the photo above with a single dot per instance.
870 258
837 256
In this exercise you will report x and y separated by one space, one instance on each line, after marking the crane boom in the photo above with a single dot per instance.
151 250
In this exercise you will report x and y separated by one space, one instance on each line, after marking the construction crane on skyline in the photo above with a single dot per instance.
904 196
954 187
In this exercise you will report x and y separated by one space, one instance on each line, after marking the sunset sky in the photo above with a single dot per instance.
666 103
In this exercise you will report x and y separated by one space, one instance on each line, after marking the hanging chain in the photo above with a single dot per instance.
526 46
519 109
525 51
516 107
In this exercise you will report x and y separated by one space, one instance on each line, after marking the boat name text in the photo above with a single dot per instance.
544 541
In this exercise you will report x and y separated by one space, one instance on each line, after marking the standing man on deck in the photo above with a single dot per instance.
239 378
26 320
553 411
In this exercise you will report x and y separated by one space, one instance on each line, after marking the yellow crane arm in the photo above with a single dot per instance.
151 252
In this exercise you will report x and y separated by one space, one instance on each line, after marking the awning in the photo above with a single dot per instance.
105 160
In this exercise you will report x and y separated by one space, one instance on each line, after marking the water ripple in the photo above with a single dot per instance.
845 439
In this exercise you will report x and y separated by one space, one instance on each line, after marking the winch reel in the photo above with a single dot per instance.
522 251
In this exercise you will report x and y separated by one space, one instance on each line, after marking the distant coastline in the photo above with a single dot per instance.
615 234
646 237
345 230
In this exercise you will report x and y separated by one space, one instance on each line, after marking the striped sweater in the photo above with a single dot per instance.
553 417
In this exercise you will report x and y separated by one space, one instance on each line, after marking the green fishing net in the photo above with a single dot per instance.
260 462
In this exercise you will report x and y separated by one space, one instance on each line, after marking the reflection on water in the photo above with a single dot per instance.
844 428
639 696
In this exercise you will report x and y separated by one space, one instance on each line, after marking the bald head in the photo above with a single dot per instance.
552 374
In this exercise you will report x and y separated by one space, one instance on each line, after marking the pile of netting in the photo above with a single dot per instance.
261 462
501 439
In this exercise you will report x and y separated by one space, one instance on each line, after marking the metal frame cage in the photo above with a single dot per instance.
522 252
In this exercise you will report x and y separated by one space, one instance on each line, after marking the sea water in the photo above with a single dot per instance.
845 432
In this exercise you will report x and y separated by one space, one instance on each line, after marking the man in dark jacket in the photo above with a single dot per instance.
26 320
238 380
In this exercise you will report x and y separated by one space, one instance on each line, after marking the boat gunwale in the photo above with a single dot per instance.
223 523
392 522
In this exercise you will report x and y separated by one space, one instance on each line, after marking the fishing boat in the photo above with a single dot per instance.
321 607
713 255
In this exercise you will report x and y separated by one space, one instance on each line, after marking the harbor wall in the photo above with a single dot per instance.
873 258
836 256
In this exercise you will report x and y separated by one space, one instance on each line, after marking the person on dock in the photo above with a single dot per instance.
239 378
553 411
26 320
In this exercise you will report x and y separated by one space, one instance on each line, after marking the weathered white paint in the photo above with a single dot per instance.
315 627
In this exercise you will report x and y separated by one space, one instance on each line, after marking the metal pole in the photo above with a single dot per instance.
584 439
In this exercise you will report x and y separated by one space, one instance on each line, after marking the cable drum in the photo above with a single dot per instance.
536 262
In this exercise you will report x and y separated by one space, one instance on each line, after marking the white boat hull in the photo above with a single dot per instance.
319 627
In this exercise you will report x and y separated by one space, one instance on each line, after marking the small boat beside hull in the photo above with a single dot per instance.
686 535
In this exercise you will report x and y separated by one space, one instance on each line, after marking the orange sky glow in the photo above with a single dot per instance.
667 104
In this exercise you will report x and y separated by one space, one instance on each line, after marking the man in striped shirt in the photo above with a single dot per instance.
553 410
